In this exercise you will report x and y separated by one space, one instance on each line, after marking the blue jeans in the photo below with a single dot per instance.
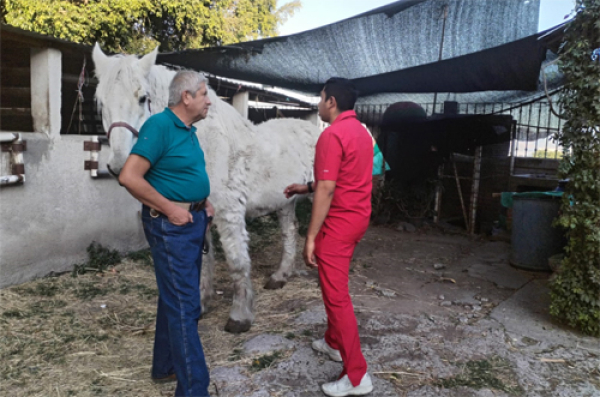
177 254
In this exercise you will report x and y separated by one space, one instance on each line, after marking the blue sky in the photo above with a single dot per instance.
315 13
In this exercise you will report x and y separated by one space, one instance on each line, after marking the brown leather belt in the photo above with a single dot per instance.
195 206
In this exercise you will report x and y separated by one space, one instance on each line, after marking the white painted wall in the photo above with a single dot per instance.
47 223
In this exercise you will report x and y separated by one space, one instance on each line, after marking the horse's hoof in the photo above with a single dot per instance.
237 327
272 284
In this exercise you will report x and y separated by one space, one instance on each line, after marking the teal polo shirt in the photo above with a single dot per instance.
178 169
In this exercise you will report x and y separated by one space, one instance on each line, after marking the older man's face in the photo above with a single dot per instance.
199 104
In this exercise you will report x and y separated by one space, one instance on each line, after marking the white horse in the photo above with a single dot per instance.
249 166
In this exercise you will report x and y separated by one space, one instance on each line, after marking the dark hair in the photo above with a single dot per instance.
343 91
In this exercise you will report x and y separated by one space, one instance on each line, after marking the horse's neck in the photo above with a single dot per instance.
160 77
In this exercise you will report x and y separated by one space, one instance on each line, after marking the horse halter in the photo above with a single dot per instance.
121 124
126 125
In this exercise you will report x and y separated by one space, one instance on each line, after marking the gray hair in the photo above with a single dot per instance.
185 80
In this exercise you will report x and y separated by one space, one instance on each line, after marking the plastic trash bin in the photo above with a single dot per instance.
533 238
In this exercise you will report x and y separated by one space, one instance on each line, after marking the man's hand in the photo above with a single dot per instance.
210 210
132 177
179 217
295 188
309 254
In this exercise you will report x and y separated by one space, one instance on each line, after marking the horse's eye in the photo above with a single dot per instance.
143 99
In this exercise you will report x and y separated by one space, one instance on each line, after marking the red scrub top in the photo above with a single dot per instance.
344 154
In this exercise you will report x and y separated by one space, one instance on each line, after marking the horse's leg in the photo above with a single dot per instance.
208 272
234 237
287 217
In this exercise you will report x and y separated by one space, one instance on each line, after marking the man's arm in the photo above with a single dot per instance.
132 177
295 188
324 191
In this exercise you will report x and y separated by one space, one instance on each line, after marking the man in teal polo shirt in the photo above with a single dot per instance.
166 171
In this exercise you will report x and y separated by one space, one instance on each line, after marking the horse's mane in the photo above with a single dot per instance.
159 79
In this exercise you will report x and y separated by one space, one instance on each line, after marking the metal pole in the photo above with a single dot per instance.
445 16
513 146
8 137
6 180
475 188
438 195
460 195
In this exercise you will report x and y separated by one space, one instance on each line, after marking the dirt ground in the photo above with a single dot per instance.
439 315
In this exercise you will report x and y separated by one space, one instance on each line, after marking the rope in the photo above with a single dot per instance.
80 98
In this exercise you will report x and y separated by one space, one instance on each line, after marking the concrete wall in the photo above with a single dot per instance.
48 222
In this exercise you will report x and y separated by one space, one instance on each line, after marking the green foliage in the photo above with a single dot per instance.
99 259
303 214
495 373
307 332
548 154
404 201
47 288
576 289
265 361
136 26
143 255
262 230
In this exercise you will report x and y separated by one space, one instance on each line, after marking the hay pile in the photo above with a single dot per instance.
92 334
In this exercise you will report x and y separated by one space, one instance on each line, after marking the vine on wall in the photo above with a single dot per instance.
576 289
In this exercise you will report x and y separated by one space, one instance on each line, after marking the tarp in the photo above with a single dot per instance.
394 48
512 66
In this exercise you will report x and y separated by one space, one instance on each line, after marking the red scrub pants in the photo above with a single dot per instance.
333 257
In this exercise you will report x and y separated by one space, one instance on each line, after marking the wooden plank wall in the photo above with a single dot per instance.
15 95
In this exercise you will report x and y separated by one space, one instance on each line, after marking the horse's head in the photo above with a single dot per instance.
123 96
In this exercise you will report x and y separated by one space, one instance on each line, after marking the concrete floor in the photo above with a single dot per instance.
433 309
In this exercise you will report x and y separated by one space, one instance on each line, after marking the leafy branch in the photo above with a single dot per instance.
576 289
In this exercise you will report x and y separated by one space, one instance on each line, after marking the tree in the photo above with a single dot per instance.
576 289
138 25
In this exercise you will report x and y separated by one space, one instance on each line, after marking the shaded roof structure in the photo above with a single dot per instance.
395 48
554 83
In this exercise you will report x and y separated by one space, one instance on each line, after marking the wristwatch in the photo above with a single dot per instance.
310 188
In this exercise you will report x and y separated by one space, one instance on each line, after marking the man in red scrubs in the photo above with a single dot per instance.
340 217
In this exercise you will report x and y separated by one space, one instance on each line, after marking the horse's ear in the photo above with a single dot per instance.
100 59
148 60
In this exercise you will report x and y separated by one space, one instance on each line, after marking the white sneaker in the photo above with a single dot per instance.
343 387
321 345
